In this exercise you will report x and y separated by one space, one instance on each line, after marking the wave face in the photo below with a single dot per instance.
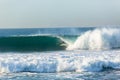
69 61
98 39
31 43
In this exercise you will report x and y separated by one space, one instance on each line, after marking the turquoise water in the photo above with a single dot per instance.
31 43
60 54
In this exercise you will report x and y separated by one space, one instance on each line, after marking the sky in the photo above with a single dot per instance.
58 13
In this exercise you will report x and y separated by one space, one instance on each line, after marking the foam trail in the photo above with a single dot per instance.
98 39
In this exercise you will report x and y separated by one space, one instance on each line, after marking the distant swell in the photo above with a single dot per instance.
98 39
31 43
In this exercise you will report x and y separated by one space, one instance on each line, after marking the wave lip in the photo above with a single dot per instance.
98 39
60 62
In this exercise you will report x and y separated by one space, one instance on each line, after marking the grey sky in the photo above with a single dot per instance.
58 13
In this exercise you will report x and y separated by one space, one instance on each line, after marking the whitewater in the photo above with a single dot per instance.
59 54
69 61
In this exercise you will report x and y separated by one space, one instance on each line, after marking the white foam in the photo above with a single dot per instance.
67 61
98 39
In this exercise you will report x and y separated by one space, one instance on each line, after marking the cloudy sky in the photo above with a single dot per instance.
58 13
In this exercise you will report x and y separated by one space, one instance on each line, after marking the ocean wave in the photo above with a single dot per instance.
93 39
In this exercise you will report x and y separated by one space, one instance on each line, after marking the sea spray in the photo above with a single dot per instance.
98 39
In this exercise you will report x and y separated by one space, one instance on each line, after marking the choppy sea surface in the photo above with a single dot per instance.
60 54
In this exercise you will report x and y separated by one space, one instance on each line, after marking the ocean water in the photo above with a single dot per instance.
60 54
